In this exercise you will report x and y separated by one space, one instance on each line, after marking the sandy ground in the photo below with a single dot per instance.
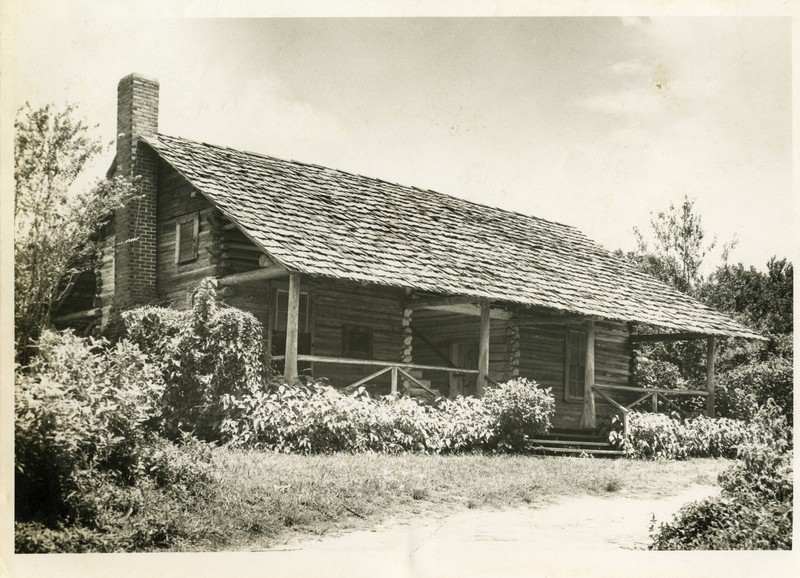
566 538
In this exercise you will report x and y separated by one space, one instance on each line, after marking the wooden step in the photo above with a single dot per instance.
589 451
580 443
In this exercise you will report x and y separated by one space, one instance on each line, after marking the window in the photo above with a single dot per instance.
187 235
356 342
574 365
282 312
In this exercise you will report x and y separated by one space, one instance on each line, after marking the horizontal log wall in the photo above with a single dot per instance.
177 198
104 276
338 303
542 357
442 328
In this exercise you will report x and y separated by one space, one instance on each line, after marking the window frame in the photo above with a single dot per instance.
193 218
569 364
300 329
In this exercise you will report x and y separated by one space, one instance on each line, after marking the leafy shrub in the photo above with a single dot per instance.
656 373
81 406
465 424
755 508
89 463
314 418
520 410
205 354
745 388
661 436
36 538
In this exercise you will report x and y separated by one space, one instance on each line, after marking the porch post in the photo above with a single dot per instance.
710 356
292 322
483 349
588 419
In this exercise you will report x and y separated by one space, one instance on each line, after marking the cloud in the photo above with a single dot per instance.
630 68
643 101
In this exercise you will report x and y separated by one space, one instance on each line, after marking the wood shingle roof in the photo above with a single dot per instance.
321 221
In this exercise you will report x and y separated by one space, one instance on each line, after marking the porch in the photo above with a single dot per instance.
395 341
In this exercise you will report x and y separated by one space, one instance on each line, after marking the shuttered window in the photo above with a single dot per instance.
186 239
574 365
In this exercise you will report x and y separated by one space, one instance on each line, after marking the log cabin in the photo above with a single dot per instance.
363 281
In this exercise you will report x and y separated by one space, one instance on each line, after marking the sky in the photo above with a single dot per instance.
592 122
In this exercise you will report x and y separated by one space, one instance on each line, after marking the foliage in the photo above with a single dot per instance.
747 373
88 459
661 436
755 509
742 390
520 410
54 226
761 300
678 249
315 418
205 354
650 373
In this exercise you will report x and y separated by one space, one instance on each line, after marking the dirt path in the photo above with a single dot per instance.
554 540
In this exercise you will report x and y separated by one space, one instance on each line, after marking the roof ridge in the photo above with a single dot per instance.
353 174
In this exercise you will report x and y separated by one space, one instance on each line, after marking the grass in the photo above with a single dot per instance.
265 499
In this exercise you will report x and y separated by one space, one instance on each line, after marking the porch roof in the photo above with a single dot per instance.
321 221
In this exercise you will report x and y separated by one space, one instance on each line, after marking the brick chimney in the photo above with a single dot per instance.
135 225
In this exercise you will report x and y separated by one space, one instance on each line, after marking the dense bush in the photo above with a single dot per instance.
657 373
745 388
661 436
519 410
316 418
755 508
204 354
80 407
88 460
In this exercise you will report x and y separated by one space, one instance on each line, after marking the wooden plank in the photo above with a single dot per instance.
588 414
613 402
710 359
246 247
666 337
431 302
375 362
256 275
639 400
418 382
577 442
292 331
578 451
394 380
673 406
652 389
483 348
78 315
364 380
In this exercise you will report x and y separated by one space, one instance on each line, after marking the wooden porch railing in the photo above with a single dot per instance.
647 393
396 370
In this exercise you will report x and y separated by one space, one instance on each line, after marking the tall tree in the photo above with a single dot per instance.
676 246
55 226
762 300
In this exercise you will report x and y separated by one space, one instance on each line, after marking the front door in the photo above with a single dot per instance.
465 356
